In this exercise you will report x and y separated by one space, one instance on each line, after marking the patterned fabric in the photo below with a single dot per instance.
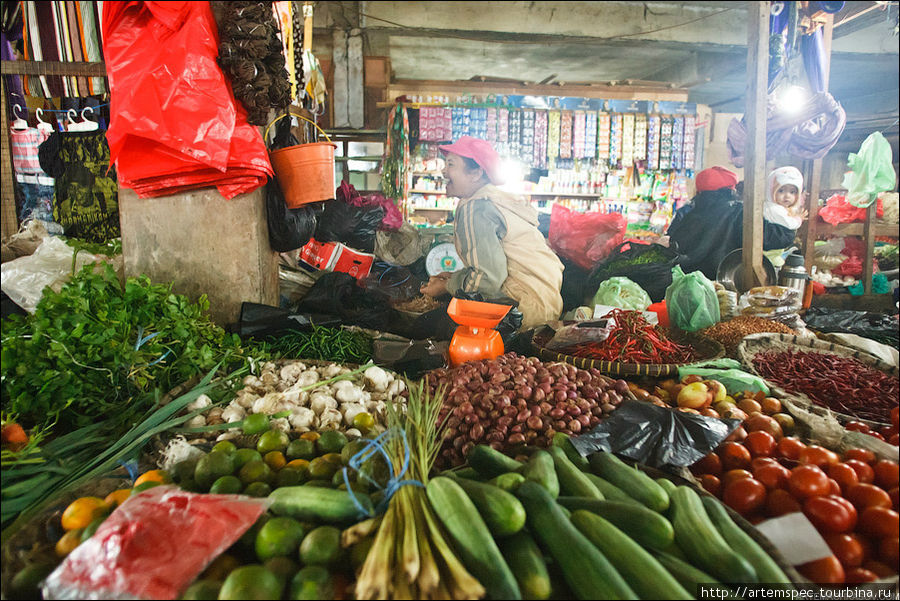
25 150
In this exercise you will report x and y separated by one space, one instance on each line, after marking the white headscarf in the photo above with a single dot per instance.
774 212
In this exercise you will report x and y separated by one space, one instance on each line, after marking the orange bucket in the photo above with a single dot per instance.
305 172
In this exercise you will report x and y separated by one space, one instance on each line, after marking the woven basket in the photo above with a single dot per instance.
705 348
758 343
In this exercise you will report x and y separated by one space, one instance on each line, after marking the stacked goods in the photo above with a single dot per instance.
731 332
727 301
886 433
775 303
513 400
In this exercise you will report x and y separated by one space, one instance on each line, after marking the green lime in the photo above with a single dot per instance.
226 446
283 567
278 537
244 456
251 582
213 466
92 528
272 440
301 449
288 476
256 424
26 583
363 421
202 590
321 468
226 485
312 582
375 469
257 489
220 567
142 487
338 478
321 547
331 441
351 449
319 483
256 471
184 470
190 485
248 539
334 458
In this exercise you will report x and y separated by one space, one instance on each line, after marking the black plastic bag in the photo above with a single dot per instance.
654 277
656 436
350 225
260 321
289 229
573 285
875 326
338 294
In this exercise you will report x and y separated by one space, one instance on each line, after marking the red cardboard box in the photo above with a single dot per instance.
320 255
334 256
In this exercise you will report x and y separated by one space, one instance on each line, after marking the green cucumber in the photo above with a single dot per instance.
692 578
610 491
565 443
509 481
489 462
641 523
540 470
647 577
572 481
585 569
702 543
766 568
527 564
318 504
632 481
468 472
501 511
471 538
667 485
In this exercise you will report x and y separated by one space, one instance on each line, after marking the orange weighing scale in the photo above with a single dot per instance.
475 338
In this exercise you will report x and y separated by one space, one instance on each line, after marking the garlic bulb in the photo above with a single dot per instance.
198 421
201 402
319 403
301 417
377 378
233 413
349 394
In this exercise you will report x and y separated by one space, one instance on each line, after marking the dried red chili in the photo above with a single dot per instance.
633 340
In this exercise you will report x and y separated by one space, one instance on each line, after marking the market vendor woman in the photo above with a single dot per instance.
711 226
497 238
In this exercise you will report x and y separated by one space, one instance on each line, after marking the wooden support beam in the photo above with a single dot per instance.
9 221
869 239
72 69
755 153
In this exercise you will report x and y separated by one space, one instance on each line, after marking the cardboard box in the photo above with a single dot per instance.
320 255
334 256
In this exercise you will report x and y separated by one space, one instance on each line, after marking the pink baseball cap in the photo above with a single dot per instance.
479 151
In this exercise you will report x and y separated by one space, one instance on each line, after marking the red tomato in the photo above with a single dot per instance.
876 435
895 416
894 440
808 481
760 461
830 513
848 548
818 455
760 443
887 474
733 475
780 502
835 488
773 475
855 426
824 571
880 522
745 496
843 474
867 495
711 484
879 568
864 471
860 576
738 435
710 464
894 494
889 550
734 456
790 448
864 455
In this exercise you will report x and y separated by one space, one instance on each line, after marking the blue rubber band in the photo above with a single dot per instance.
131 466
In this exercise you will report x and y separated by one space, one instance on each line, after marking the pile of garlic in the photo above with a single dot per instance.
295 387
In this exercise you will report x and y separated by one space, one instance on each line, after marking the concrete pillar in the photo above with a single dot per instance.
203 243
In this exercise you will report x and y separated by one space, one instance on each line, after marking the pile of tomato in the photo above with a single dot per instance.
852 499
889 434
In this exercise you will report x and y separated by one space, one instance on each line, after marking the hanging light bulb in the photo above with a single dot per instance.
792 99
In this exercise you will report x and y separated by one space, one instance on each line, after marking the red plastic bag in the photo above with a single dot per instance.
585 238
154 545
174 123
838 210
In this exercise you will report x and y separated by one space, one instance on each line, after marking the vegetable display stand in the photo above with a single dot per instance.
475 338
705 349
824 378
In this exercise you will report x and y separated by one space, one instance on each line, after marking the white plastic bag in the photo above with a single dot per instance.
25 278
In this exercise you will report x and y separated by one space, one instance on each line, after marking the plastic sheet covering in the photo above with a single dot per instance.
656 436
175 125
153 546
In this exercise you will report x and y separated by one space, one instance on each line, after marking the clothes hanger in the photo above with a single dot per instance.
86 124
71 124
19 124
42 125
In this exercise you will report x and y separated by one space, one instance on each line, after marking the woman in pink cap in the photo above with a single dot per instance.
497 238
712 225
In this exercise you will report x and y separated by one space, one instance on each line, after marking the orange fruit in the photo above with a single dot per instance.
311 436
298 464
67 543
160 476
82 512
275 460
117 497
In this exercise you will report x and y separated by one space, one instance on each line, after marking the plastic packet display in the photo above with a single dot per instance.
773 296
154 545
585 331
656 436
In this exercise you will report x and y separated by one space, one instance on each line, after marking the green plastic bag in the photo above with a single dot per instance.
728 373
623 293
871 171
691 301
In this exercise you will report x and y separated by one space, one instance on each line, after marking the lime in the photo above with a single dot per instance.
331 441
312 582
351 449
26 583
288 477
226 485
338 478
301 465
255 471
184 470
213 466
202 589
278 537
190 485
251 582
256 424
321 547
283 567
363 422
334 458
142 487
322 468
375 469
244 456
319 483
248 539
272 440
92 528
220 567
275 460
226 446
301 449
257 489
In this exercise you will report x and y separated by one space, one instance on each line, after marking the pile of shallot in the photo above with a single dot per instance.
512 400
